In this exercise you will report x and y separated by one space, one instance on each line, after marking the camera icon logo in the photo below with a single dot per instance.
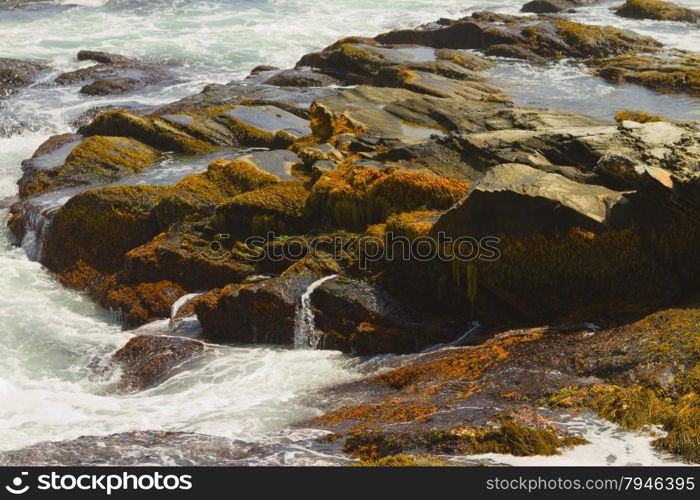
16 487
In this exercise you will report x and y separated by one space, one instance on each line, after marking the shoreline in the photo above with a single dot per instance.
421 143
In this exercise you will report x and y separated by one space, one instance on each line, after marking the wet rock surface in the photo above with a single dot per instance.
15 74
113 74
146 360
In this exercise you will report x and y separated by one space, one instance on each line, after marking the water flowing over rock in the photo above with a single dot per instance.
305 335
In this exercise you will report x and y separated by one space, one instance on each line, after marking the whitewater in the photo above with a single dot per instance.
51 338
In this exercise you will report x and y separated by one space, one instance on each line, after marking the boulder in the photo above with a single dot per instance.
115 74
16 74
125 217
550 38
99 226
521 200
188 256
357 195
357 317
301 78
278 208
37 171
441 72
674 72
136 305
153 131
657 10
96 159
147 360
294 100
559 240
262 312
102 57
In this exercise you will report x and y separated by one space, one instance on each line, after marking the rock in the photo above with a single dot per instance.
356 317
550 38
593 236
443 73
291 99
279 208
90 114
102 57
262 312
301 78
280 163
522 382
86 161
99 226
151 130
140 212
667 73
133 449
114 74
522 201
147 360
310 155
362 111
49 156
263 68
554 6
187 256
16 74
657 10
108 86
356 197
136 305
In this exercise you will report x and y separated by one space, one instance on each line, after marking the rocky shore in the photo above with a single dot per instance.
579 289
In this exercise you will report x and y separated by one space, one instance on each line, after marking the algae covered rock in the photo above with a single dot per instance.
262 312
99 226
279 208
542 37
657 10
136 305
188 256
442 72
152 131
676 72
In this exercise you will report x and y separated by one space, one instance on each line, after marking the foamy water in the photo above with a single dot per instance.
51 336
